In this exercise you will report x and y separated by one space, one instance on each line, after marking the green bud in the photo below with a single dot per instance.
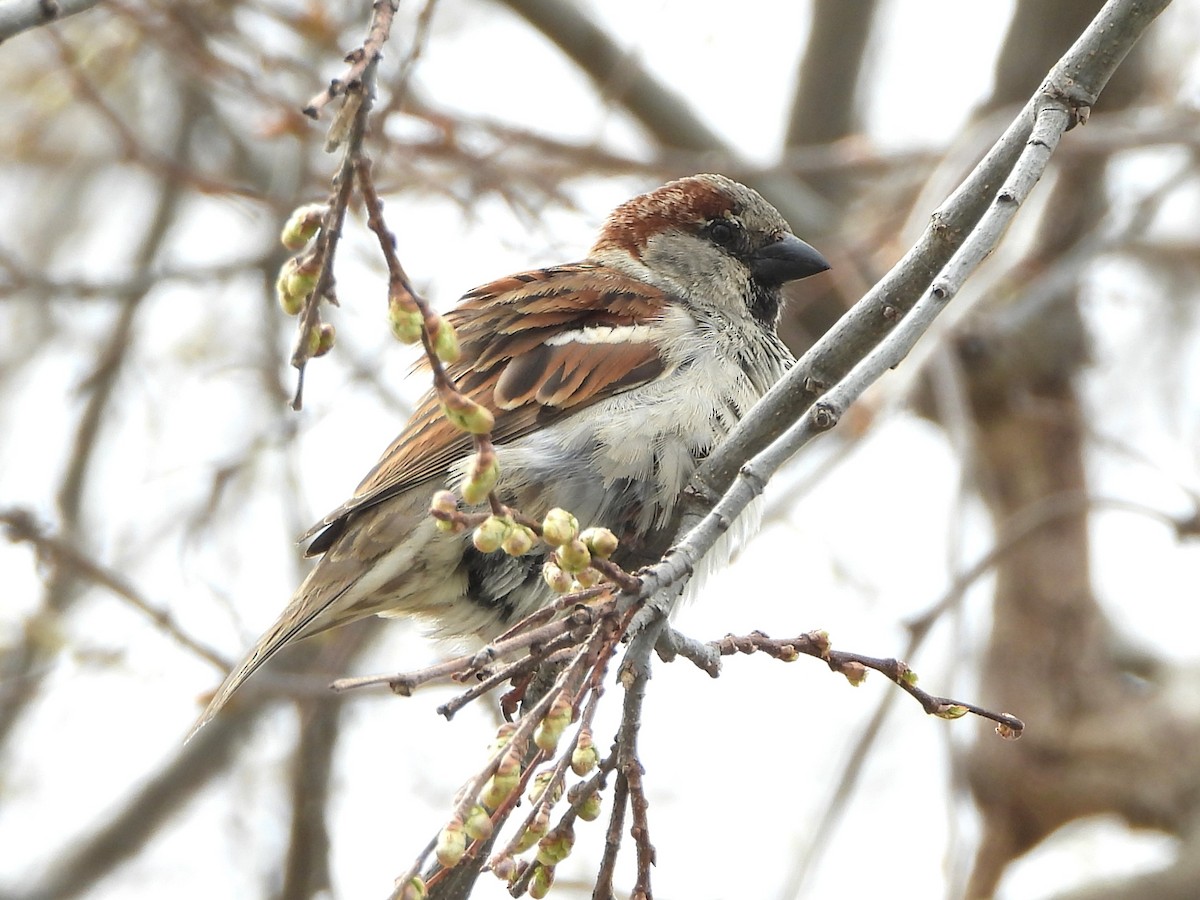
855 672
301 277
589 577
467 415
312 340
451 844
444 502
589 809
518 541
540 783
556 846
290 303
584 759
553 575
547 735
951 711
504 868
498 789
491 533
406 320
551 728
445 341
326 335
510 762
479 824
503 735
600 541
539 884
415 889
559 527
302 225
573 556
536 830
480 479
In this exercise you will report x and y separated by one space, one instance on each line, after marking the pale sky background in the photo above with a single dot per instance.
738 768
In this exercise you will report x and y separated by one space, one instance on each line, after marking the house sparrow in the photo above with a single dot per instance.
609 380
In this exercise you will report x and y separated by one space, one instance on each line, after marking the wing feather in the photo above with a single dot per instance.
590 314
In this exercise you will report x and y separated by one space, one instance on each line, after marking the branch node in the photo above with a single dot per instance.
825 416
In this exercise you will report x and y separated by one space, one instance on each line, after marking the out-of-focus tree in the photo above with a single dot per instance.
153 476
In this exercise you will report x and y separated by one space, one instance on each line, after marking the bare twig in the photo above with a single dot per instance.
21 527
21 15
360 59
854 665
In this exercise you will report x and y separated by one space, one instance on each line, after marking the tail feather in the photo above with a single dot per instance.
288 627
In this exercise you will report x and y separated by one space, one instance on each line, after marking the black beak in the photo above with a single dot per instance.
788 259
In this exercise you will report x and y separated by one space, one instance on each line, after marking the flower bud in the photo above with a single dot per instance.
445 341
467 415
498 789
479 824
504 868
326 334
951 711
406 320
449 526
500 742
539 884
290 303
540 783
589 809
312 340
556 846
559 527
553 575
444 502
491 533
302 225
451 844
551 728
855 672
573 556
547 734
415 889
518 541
584 759
589 577
301 276
536 830
481 478
600 541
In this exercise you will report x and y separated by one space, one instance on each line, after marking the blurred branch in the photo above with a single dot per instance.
1076 81
21 682
21 527
141 817
663 113
827 82
361 58
21 15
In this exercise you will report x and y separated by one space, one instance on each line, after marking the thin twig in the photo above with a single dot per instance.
360 59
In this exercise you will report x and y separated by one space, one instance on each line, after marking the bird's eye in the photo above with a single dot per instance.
722 232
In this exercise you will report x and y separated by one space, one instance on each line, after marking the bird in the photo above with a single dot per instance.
609 380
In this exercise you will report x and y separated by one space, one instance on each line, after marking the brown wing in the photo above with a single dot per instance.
535 346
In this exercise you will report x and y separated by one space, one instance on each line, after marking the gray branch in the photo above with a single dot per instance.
878 332
21 15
